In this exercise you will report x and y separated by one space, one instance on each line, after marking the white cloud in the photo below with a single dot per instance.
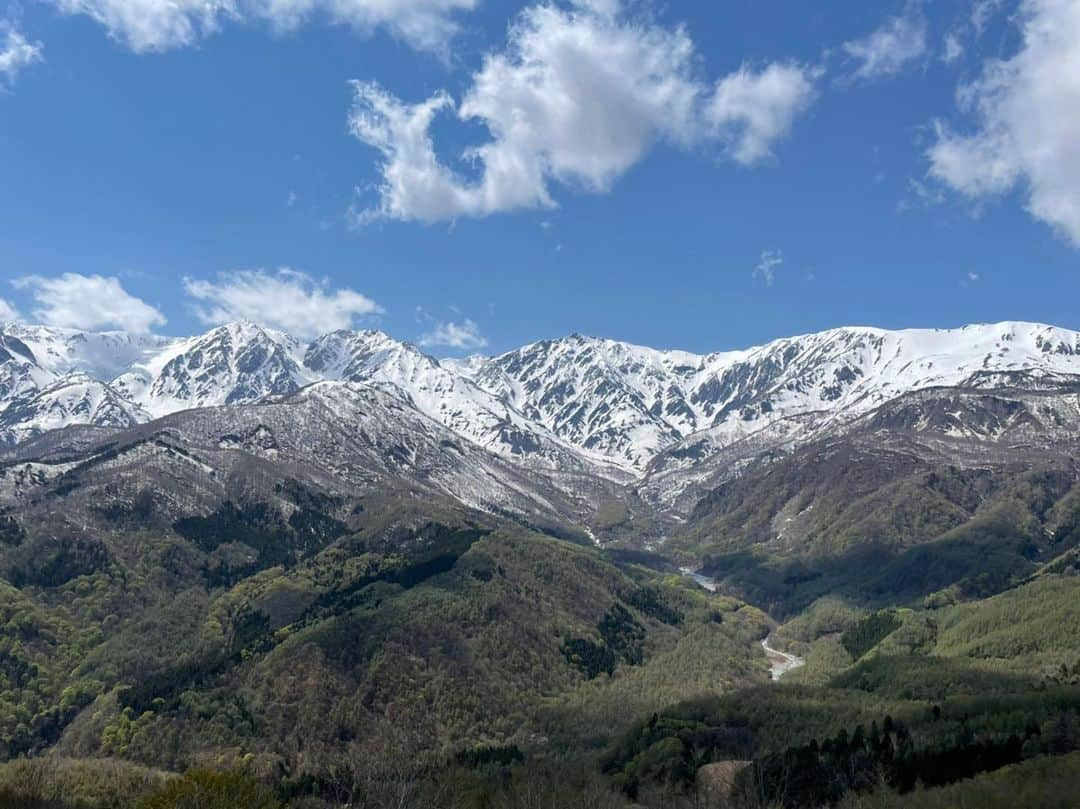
953 49
89 302
8 313
973 276
1028 131
753 110
288 300
464 336
886 51
16 54
767 264
578 96
158 25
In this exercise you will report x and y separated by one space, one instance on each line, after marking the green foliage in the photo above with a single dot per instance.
670 751
869 632
591 659
54 563
621 637
205 789
1036 625
261 527
651 602
1044 782
464 633
879 529
825 658
65 783
622 634
826 616
502 756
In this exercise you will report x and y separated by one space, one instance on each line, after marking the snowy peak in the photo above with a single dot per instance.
232 364
571 404
439 391
72 399
102 355
365 355
615 400
627 403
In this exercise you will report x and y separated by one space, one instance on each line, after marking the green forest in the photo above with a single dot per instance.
414 655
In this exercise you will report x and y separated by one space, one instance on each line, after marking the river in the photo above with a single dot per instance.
780 663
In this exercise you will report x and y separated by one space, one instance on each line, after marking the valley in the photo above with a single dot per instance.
346 572
780 663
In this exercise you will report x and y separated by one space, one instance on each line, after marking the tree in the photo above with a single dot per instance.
1063 735
205 789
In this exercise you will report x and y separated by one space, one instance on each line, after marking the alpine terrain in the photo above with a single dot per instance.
820 571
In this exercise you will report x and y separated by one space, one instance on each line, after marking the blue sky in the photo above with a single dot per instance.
694 175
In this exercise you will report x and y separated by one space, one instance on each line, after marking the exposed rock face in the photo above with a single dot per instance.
583 413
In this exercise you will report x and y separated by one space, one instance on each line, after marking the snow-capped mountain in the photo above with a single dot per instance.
72 399
438 391
238 363
629 403
575 404
130 379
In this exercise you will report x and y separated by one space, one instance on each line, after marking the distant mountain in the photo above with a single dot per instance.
572 406
628 403
240 546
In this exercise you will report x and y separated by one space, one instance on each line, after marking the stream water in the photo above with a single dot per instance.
780 663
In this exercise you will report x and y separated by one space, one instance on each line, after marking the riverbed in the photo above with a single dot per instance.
780 663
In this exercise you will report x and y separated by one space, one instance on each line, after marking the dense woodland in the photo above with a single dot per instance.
392 653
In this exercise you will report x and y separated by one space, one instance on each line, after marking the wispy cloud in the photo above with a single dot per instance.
8 312
16 54
767 264
160 25
952 50
983 12
463 336
751 110
887 50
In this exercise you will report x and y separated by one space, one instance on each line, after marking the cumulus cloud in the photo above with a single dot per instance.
158 25
89 302
463 336
16 54
8 313
767 264
886 51
1027 132
288 300
751 111
577 97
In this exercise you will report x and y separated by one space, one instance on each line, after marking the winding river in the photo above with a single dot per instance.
780 663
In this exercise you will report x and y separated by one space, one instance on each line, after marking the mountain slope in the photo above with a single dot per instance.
566 408
629 403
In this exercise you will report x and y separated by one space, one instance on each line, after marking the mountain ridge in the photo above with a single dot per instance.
573 402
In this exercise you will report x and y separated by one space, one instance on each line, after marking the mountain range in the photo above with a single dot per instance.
316 562
667 422
614 404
